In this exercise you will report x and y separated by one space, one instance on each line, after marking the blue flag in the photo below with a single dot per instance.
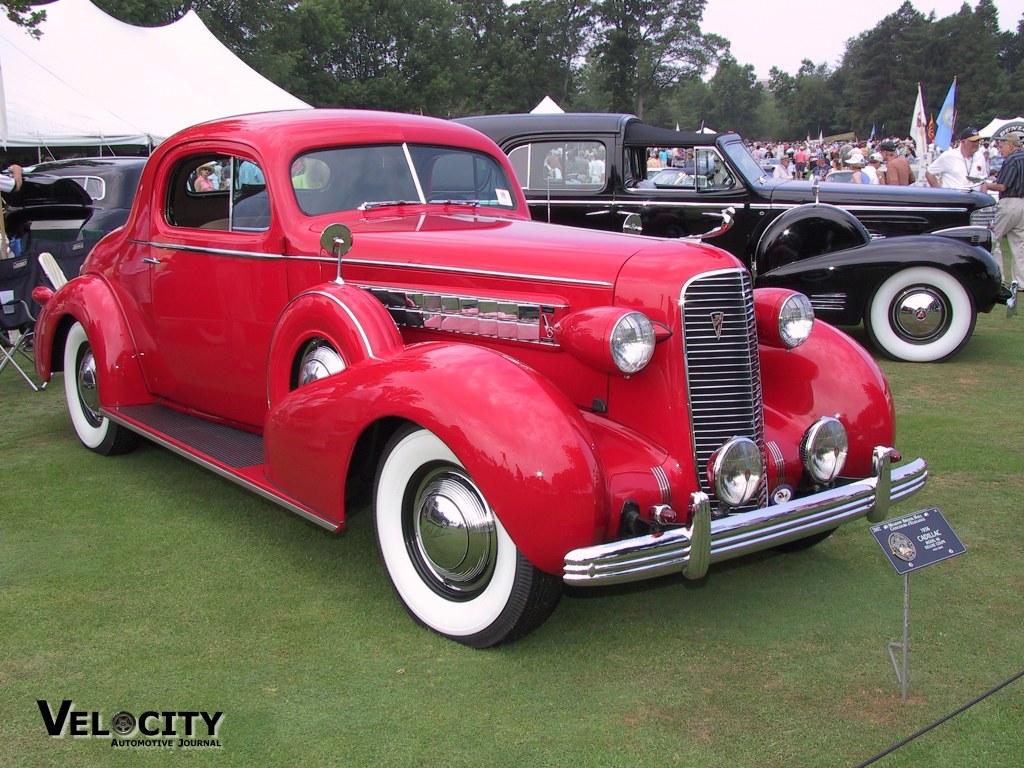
946 120
872 136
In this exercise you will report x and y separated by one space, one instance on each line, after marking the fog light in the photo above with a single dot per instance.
735 471
823 449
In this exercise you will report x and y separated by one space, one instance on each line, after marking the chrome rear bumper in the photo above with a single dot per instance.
692 549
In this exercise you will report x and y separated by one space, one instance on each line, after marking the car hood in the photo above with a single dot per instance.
509 247
846 194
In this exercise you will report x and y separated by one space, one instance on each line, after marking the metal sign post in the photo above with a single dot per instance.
912 542
903 669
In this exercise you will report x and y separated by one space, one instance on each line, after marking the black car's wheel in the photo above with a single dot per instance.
450 560
81 378
921 315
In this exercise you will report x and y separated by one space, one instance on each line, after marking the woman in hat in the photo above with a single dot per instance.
856 162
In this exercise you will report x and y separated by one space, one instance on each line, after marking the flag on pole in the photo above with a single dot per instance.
872 136
820 136
919 126
946 120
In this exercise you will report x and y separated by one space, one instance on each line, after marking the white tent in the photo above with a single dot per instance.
93 80
547 106
996 124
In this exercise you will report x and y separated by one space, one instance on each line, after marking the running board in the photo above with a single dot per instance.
232 453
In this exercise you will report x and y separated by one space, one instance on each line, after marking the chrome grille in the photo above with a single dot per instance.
722 366
983 217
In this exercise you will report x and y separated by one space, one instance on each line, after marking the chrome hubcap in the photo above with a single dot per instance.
88 394
453 531
920 314
318 361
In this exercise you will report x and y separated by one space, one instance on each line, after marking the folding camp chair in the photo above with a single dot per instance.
18 276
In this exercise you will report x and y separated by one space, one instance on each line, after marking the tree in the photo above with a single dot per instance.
25 15
646 46
736 97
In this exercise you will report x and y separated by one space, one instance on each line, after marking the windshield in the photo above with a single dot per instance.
348 178
744 161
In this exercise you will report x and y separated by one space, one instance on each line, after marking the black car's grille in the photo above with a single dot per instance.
722 365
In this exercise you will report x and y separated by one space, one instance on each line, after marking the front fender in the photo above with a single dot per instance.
828 375
89 300
858 272
524 443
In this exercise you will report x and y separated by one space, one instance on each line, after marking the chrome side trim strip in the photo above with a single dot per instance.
646 557
661 478
376 263
207 249
237 479
649 202
779 460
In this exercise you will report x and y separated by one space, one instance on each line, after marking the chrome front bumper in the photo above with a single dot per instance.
692 549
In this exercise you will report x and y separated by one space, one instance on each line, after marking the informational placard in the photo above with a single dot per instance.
916 540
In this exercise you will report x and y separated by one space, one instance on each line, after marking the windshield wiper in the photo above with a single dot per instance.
384 204
467 203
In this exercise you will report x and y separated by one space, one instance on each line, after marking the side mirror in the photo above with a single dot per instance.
337 241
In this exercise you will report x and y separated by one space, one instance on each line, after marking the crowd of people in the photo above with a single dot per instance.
965 165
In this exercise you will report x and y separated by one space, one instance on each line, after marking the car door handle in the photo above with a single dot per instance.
150 260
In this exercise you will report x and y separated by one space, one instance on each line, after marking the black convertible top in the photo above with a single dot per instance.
635 133
642 135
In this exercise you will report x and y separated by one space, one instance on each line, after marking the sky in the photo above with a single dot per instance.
781 33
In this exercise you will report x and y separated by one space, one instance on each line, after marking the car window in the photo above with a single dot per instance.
218 192
684 168
93 185
572 165
347 178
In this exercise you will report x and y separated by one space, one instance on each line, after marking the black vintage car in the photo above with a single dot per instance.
110 182
854 257
65 206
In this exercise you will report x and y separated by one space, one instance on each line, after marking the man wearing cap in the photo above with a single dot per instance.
1009 221
874 168
784 170
897 167
960 167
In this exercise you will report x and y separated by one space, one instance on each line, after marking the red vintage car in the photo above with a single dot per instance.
335 308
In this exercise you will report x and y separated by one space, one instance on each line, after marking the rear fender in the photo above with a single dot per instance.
523 442
89 300
354 322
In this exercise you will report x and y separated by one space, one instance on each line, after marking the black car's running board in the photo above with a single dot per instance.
232 453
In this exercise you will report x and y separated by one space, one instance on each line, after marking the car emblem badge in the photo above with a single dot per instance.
717 321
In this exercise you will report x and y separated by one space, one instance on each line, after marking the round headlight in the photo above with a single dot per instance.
632 342
735 471
796 319
823 449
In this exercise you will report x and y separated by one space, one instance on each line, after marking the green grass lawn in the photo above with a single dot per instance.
144 582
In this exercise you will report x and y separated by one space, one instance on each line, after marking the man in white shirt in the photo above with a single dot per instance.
873 167
12 182
962 167
784 170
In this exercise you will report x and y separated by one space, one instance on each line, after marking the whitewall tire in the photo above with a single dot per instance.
921 315
81 379
447 554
